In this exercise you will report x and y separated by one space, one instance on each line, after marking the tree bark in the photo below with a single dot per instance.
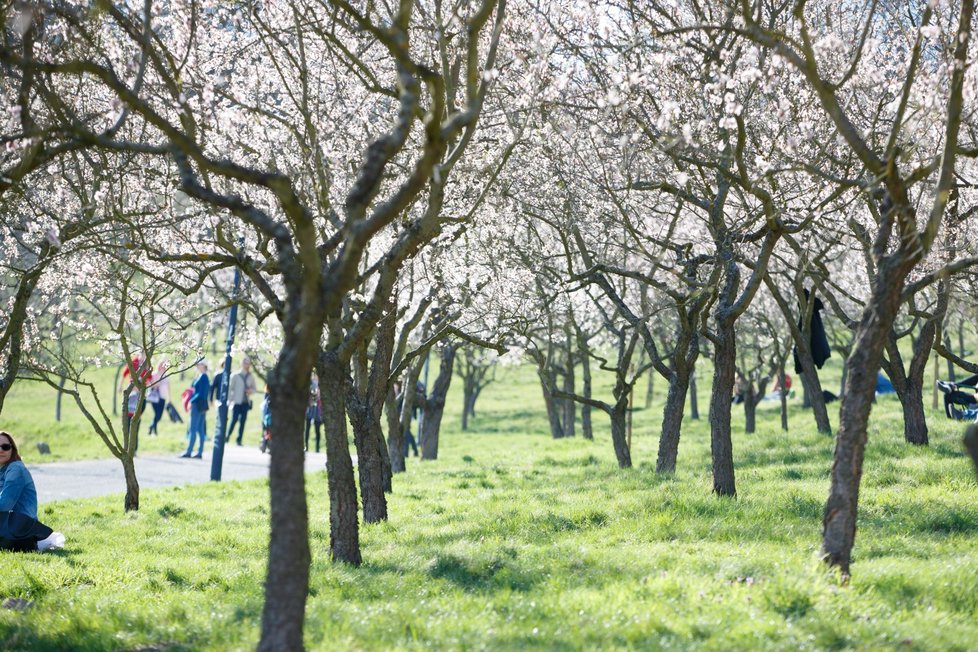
468 399
344 528
569 407
721 399
914 420
370 462
132 485
619 425
435 406
409 400
287 581
584 350
672 421
839 518
694 406
750 409
812 387
553 416
587 427
648 388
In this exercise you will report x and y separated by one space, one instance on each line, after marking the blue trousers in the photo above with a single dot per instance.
198 429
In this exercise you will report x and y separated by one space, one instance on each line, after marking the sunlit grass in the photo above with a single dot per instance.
513 540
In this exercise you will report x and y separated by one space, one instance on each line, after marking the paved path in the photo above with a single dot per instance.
61 480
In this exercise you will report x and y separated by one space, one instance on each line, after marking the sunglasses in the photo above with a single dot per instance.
6 447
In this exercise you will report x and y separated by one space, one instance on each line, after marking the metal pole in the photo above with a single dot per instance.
217 458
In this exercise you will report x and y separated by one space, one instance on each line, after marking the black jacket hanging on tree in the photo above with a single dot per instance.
819 342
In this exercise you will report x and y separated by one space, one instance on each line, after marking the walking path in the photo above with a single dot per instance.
63 480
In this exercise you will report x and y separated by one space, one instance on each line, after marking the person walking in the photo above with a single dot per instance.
314 412
157 395
239 394
198 410
19 528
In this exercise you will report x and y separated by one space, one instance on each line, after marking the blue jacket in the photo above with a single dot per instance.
202 391
17 491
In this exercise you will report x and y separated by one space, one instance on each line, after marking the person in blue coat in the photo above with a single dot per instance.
199 401
19 527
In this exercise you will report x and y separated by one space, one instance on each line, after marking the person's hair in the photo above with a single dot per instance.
14 453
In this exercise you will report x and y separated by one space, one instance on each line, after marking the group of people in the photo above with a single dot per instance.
202 392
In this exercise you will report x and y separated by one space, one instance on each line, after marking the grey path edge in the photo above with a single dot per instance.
90 478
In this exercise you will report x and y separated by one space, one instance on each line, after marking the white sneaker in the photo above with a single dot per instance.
53 542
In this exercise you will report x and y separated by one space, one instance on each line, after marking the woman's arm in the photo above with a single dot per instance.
13 485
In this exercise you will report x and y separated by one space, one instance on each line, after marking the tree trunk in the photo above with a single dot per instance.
813 389
587 427
584 350
648 388
387 473
619 425
721 399
468 398
57 404
570 407
750 409
784 398
553 416
409 401
839 519
914 419
287 581
132 485
694 407
672 421
395 436
370 462
435 407
344 528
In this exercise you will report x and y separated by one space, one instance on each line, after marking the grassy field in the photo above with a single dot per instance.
513 540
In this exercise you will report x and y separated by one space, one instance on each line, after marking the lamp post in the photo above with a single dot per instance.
217 458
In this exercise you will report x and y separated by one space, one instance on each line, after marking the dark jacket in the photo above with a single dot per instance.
819 343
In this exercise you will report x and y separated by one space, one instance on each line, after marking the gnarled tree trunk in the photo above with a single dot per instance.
721 399
672 421
435 406
344 528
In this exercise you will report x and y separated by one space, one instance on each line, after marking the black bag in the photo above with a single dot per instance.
173 414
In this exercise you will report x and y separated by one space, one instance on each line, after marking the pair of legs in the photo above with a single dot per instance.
157 415
318 425
239 412
409 441
23 533
197 430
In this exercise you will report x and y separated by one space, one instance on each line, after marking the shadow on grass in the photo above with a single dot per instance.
487 575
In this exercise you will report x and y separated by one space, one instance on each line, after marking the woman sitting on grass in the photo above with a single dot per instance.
19 528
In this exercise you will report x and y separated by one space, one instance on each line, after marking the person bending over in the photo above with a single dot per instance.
955 395
19 528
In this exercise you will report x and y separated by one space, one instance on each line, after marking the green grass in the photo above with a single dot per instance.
513 540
